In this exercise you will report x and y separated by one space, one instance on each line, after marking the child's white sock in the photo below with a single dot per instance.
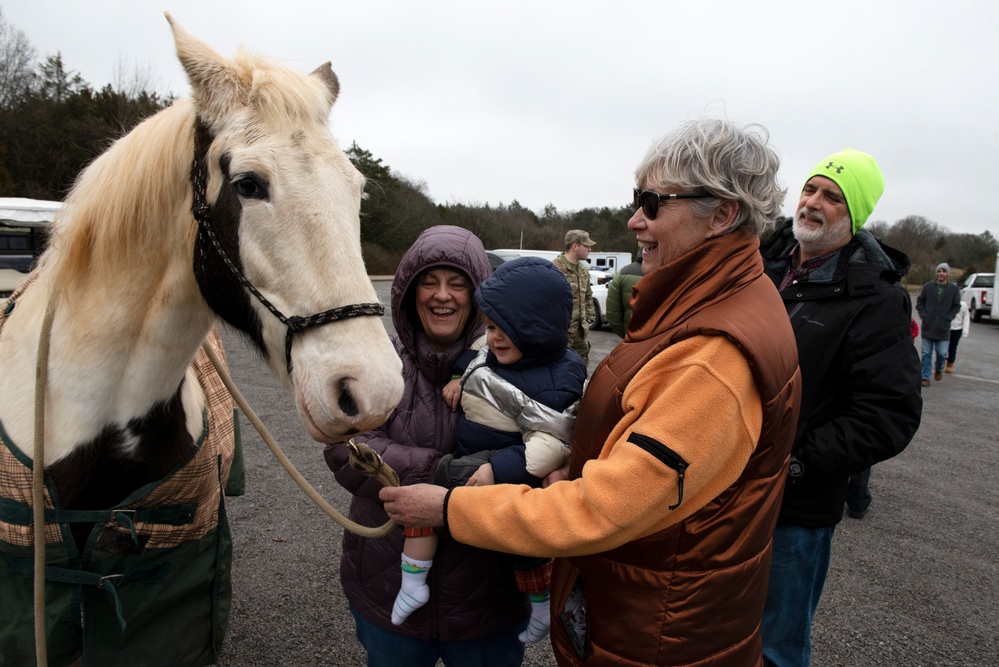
541 619
414 592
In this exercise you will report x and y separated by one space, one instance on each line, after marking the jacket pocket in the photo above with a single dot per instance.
571 633
665 455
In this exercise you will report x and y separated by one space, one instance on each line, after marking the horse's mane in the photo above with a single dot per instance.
125 205
120 202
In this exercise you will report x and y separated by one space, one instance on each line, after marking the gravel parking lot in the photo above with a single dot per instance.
914 583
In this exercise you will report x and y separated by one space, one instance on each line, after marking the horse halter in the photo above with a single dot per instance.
295 324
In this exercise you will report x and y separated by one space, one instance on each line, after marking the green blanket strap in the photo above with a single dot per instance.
79 577
19 514
104 582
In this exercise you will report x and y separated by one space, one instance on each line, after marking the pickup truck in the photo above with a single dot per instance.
977 291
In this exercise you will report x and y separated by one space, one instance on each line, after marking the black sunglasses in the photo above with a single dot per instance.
649 201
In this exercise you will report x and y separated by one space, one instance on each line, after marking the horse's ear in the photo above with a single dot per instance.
325 74
214 83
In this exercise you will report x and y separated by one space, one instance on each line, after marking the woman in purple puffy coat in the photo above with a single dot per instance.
475 611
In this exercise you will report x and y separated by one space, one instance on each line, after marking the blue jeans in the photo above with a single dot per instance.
941 348
797 574
391 649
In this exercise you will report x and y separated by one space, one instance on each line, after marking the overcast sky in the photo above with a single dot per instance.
556 102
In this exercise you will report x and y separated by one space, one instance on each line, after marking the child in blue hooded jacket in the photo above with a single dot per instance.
518 396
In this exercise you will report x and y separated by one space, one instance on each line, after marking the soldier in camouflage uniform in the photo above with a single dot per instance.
577 248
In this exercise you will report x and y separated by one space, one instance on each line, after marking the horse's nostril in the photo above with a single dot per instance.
346 402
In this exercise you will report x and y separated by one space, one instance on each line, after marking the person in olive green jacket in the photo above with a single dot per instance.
619 297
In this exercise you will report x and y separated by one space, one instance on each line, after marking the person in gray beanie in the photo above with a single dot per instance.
937 304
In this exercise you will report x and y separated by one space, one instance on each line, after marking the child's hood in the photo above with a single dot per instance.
530 300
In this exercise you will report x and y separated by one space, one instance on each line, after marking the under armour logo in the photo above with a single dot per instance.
839 169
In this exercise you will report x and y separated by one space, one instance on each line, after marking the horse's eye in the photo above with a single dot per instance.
251 188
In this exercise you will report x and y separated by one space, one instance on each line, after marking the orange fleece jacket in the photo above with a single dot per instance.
696 397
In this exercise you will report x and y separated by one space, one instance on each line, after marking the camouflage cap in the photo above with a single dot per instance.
579 236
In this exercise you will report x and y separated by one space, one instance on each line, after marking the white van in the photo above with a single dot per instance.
514 253
24 231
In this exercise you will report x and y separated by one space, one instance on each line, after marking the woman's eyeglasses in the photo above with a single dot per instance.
649 201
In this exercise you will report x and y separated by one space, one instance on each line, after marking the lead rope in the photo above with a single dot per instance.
38 482
362 458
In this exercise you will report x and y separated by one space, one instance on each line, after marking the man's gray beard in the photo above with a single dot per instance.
821 240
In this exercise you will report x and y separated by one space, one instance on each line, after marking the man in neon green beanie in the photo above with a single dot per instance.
859 179
860 401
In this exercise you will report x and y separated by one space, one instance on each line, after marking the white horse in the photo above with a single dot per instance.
272 248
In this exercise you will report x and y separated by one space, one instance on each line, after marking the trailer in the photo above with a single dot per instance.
609 262
24 233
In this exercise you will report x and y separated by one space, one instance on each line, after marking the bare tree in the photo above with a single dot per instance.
923 241
131 96
133 80
17 57
879 228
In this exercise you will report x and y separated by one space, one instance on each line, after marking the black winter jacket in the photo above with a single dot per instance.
860 372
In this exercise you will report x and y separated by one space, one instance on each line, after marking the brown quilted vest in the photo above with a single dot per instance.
692 594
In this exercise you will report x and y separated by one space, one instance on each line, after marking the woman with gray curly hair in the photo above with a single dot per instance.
661 528
716 160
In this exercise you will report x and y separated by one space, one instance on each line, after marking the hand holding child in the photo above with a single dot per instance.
482 477
452 393
556 475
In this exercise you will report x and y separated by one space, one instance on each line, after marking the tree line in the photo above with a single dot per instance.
53 123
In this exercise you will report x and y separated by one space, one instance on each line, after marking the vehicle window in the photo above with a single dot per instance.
15 243
985 281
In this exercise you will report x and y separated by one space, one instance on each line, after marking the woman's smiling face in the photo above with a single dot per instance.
673 232
443 303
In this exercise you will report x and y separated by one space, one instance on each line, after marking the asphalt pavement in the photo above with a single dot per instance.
915 583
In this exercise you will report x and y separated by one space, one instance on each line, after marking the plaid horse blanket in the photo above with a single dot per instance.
152 586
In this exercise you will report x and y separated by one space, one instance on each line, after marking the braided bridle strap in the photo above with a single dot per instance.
296 323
